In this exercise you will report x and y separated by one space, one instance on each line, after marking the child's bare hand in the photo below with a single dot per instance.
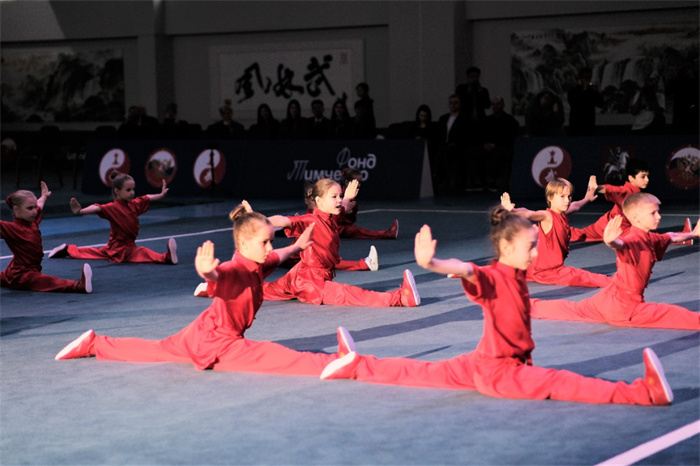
592 188
205 262
613 229
44 189
75 206
164 190
696 230
424 246
352 190
246 206
304 240
505 202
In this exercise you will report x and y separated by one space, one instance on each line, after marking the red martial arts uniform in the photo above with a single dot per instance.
348 229
616 194
501 365
552 248
123 218
622 302
215 339
24 272
311 280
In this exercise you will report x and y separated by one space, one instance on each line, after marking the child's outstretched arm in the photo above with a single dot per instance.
351 193
77 210
163 191
612 233
424 250
303 242
534 215
45 193
677 237
589 197
205 263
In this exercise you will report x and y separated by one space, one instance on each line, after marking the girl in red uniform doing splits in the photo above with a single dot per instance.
23 238
553 234
501 365
311 280
215 340
348 229
622 302
123 215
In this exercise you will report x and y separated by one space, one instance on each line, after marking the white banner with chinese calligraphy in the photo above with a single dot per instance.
274 74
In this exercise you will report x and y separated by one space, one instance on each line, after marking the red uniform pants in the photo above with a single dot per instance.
129 254
32 280
353 231
569 276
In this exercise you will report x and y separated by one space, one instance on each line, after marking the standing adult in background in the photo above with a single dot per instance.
474 100
362 124
294 126
648 106
545 115
450 165
362 91
319 125
685 89
341 123
500 131
583 100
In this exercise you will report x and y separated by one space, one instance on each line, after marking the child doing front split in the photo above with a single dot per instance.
23 238
622 302
553 233
123 216
311 280
215 340
501 365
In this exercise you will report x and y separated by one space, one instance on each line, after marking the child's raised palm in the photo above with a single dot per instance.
424 246
613 229
204 261
75 206
505 202
592 188
304 240
352 190
44 189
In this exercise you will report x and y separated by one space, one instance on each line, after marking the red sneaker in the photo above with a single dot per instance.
81 347
659 389
345 342
409 292
687 228
341 368
393 232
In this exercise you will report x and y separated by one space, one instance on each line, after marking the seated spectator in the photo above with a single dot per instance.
362 125
267 127
341 124
294 126
544 115
172 127
362 91
319 125
227 127
449 167
138 124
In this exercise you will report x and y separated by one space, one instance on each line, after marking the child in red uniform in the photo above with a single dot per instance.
123 215
553 233
311 280
215 340
637 179
347 223
622 302
23 238
501 366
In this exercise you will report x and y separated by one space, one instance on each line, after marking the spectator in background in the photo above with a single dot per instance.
362 125
583 100
424 128
341 124
138 124
319 125
474 98
648 106
294 126
500 131
545 115
362 91
450 165
172 127
267 127
685 88
227 127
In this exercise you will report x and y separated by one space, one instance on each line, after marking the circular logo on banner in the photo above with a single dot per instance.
682 167
202 170
113 160
549 163
161 165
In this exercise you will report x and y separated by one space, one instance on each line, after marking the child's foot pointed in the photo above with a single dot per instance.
81 347
171 257
372 260
655 379
341 368
346 344
59 251
201 290
393 231
86 279
409 292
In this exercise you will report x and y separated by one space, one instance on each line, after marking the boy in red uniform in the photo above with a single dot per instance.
501 365
622 302
23 238
215 340
637 179
553 234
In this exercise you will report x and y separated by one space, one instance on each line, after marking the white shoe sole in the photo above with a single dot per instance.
201 291
87 274
412 283
72 345
345 340
57 249
172 248
659 369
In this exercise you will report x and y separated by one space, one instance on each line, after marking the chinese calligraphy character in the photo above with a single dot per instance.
315 77
245 83
284 86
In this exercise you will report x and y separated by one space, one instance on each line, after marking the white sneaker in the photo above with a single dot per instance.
372 260
655 379
345 342
201 290
341 368
172 250
58 251
78 348
87 278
